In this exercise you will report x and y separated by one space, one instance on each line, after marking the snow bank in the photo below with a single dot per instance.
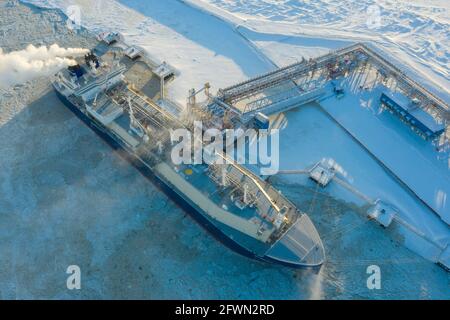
416 32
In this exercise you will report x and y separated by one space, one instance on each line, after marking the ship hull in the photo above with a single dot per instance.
183 203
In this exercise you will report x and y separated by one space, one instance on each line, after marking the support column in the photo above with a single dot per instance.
162 87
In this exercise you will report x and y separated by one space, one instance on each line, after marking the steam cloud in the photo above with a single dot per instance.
24 65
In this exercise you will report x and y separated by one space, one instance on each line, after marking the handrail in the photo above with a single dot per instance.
293 69
255 180
156 107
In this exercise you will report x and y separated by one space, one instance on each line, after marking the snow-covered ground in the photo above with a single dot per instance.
172 264
192 44
416 32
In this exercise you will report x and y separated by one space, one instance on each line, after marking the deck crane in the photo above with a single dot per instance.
135 125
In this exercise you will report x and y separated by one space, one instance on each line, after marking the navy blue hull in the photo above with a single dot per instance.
184 204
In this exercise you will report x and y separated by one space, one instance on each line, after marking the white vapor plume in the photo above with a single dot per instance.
24 65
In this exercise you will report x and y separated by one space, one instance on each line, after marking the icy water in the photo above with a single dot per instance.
66 198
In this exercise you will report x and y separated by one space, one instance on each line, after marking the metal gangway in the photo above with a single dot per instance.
282 102
281 75
297 70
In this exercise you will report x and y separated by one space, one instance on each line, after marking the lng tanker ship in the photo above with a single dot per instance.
105 90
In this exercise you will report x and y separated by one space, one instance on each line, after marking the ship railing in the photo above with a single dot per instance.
146 102
252 178
238 181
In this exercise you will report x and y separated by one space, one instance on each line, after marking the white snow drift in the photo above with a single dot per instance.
24 65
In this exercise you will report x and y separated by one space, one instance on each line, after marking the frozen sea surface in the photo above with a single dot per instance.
67 198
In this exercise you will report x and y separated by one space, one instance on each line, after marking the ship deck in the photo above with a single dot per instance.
198 176
254 221
226 211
